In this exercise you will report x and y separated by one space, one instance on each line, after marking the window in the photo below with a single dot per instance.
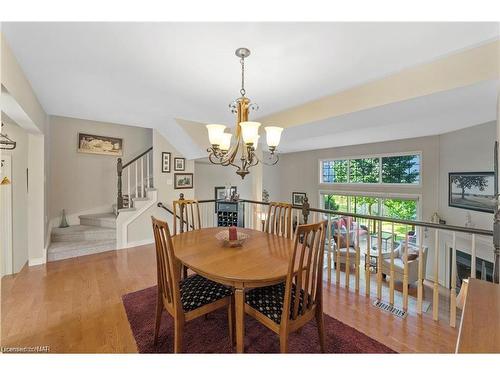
404 169
393 169
398 208
334 171
364 170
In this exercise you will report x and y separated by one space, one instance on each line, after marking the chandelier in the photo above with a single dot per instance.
241 153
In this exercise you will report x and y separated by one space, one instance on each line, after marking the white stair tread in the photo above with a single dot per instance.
81 246
82 233
81 228
106 215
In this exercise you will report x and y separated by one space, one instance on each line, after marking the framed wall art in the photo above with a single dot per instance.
472 190
100 145
165 162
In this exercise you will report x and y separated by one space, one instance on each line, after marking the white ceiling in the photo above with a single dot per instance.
427 115
148 74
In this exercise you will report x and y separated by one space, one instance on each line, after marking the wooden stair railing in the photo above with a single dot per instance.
138 164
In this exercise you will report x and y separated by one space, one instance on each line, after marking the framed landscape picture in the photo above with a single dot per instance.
298 198
99 144
179 164
472 191
183 180
165 162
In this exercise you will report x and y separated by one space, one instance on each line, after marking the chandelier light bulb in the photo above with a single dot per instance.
256 143
250 131
215 132
273 135
225 141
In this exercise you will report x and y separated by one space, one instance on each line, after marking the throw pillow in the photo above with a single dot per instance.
412 256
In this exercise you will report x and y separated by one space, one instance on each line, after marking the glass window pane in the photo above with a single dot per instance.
399 209
365 205
364 170
334 202
401 169
334 171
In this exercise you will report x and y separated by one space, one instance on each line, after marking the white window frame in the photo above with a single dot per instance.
373 156
417 197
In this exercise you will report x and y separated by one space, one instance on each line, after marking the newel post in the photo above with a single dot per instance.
305 209
119 199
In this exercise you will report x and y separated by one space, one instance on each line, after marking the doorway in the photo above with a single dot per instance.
6 215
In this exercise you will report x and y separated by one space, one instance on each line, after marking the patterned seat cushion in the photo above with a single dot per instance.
269 300
197 291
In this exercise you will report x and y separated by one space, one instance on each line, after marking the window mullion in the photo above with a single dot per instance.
380 170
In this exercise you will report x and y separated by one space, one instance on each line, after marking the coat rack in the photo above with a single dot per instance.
5 142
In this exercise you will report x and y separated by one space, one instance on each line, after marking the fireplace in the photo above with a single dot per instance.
484 269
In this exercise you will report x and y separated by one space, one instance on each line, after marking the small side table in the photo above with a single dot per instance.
371 259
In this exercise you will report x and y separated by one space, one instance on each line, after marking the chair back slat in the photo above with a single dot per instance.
186 215
279 219
305 274
167 265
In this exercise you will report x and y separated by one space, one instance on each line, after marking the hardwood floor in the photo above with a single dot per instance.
75 306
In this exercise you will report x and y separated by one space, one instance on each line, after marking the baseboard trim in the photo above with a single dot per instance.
36 261
147 241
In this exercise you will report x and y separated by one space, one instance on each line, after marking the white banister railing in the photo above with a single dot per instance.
136 175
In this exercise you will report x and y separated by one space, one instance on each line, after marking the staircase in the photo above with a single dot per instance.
97 233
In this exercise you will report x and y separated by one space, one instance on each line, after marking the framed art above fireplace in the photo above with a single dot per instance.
472 190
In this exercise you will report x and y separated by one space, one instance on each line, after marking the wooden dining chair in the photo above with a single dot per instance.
185 299
286 307
279 219
186 215
186 218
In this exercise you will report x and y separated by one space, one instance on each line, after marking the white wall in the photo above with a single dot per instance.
209 176
85 183
467 150
36 199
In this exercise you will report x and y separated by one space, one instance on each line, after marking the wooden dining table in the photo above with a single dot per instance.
262 260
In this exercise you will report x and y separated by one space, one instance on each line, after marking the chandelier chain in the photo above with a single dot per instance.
242 91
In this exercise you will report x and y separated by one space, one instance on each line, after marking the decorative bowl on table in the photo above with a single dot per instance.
223 237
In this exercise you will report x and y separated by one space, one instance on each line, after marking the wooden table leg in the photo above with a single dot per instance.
239 305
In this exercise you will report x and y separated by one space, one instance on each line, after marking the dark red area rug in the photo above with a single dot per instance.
210 335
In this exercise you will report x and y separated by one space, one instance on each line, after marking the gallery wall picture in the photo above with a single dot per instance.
298 198
99 144
472 191
179 164
165 162
183 181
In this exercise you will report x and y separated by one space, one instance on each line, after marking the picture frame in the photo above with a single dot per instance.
220 192
183 181
165 162
99 145
472 191
298 198
179 164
